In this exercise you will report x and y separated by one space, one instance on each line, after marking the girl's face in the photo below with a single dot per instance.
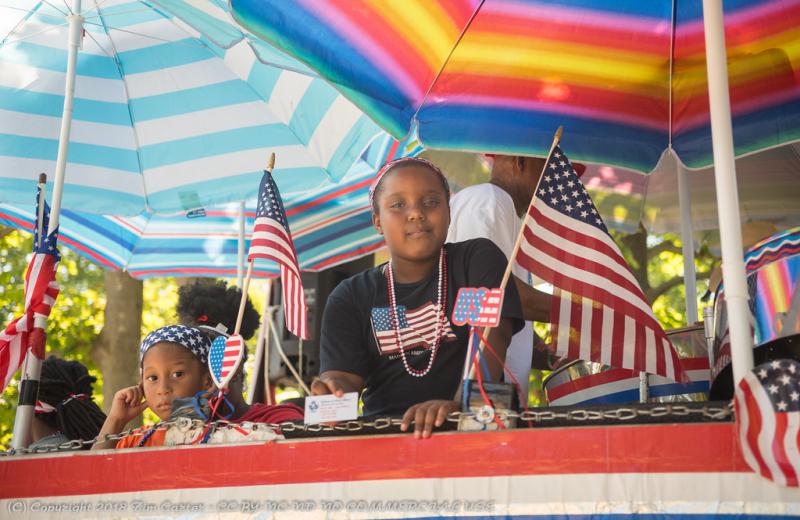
170 371
413 212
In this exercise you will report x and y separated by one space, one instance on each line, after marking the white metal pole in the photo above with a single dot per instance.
262 344
687 241
733 272
240 250
32 367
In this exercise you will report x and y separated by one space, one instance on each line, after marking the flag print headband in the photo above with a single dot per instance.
188 337
403 161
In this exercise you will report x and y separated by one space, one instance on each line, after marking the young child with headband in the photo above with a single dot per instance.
387 330
174 364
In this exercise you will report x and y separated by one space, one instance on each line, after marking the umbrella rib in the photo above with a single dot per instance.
49 28
57 9
97 14
449 55
108 27
107 53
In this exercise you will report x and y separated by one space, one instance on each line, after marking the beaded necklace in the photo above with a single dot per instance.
441 290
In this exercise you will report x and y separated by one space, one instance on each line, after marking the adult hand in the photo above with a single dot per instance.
128 404
427 415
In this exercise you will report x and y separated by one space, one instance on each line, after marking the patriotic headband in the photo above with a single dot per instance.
188 337
401 162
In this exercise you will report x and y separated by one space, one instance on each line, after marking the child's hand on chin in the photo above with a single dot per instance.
128 404
427 415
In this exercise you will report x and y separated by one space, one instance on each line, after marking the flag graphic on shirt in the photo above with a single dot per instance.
273 241
599 311
41 290
767 404
417 327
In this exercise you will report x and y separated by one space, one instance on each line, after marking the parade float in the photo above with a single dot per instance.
675 454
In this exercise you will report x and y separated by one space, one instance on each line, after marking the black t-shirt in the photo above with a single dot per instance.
357 313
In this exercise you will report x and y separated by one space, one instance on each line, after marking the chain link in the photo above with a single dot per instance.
579 415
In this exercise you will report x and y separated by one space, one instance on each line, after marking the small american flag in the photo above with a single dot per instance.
479 307
41 291
417 327
224 358
767 405
272 240
599 311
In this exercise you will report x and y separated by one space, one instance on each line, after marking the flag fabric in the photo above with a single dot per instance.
272 240
224 357
41 291
767 402
599 311
417 327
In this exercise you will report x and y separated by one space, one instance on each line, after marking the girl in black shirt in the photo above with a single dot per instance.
387 330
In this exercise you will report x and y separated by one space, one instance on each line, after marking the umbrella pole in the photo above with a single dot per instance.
240 251
32 367
687 243
733 272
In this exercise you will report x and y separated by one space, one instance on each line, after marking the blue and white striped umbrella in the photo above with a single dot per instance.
330 225
176 107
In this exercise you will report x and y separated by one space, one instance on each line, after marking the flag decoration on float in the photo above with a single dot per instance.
272 240
767 402
41 291
599 312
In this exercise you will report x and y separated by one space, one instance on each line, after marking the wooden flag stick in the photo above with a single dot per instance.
249 275
40 212
513 255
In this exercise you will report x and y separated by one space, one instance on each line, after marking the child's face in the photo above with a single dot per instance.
414 213
170 371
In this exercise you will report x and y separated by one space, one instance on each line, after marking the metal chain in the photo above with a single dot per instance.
714 413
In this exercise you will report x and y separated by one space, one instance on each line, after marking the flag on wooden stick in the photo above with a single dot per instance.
599 311
41 291
272 240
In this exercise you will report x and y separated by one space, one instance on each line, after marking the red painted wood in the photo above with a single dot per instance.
615 449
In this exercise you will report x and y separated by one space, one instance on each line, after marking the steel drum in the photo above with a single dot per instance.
583 382
773 266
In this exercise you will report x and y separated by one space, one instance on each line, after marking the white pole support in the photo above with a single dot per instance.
240 244
687 241
32 366
733 272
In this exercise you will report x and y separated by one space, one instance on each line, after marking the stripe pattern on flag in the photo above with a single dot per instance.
41 291
272 240
599 311
767 402
416 327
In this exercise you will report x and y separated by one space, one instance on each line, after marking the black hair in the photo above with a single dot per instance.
425 164
203 303
67 387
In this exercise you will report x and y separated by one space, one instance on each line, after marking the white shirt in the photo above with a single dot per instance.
487 211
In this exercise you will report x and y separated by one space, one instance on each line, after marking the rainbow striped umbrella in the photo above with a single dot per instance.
626 78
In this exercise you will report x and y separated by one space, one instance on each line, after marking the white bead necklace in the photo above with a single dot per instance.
441 290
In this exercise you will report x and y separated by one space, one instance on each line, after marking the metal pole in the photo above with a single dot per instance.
261 346
687 241
240 250
32 367
733 272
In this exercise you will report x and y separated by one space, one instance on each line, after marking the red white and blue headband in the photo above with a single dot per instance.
189 338
403 161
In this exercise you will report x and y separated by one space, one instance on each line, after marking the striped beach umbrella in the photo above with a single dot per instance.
627 79
330 225
176 107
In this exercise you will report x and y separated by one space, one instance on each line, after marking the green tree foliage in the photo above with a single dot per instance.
76 318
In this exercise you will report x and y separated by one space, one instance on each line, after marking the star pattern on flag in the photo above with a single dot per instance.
782 384
561 190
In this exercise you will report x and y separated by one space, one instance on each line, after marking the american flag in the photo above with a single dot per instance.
417 327
767 405
273 240
224 358
483 312
41 291
599 311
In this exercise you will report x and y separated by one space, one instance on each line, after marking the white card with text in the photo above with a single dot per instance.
329 408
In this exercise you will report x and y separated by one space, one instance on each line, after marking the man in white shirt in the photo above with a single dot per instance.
494 210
